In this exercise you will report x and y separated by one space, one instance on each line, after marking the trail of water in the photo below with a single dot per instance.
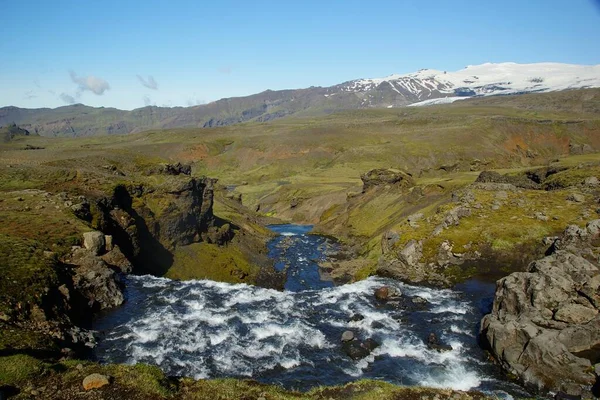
207 329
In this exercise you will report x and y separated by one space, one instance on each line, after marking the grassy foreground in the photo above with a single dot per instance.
63 380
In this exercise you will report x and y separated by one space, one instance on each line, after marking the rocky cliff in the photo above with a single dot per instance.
82 242
545 323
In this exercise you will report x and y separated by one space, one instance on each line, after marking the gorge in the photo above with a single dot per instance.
206 329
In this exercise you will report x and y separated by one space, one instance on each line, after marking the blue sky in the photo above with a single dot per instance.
127 54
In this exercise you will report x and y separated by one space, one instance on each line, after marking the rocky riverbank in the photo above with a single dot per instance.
64 252
545 323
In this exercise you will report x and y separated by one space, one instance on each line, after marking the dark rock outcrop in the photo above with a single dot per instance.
147 223
521 181
545 323
95 281
173 169
383 177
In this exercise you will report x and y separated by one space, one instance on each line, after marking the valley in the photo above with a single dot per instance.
425 200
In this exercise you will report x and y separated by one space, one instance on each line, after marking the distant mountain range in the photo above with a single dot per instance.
424 87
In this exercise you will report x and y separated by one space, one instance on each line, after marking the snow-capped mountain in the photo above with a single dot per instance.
429 86
424 87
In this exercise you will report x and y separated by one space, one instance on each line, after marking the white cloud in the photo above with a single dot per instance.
94 84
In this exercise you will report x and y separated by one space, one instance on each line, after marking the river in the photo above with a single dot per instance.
207 329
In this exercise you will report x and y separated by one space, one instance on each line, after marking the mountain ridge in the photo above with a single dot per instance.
421 88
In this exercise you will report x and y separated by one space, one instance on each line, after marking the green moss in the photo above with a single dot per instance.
329 212
26 275
209 261
571 177
145 379
17 369
365 272
13 338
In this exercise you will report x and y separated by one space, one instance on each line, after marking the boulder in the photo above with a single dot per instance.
593 227
382 293
357 350
434 344
419 300
117 259
545 322
82 211
95 381
386 293
347 336
576 197
388 240
95 281
94 242
412 252
591 181
414 218
356 317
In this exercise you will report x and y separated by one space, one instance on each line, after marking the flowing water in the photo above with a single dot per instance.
208 329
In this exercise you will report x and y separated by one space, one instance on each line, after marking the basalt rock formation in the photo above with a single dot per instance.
545 323
148 222
382 177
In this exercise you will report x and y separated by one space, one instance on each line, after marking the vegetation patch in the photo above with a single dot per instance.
210 261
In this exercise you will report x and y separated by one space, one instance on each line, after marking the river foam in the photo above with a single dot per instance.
207 329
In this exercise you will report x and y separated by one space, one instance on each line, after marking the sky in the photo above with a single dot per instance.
128 54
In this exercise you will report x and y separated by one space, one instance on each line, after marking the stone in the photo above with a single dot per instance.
539 346
597 369
94 242
591 181
502 195
576 197
354 350
575 314
108 239
388 240
385 293
95 281
419 300
347 336
377 325
411 253
414 218
357 317
434 344
95 381
357 350
593 227
541 216
116 258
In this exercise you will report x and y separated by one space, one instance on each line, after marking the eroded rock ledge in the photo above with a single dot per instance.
545 323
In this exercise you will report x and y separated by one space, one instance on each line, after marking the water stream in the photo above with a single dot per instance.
208 329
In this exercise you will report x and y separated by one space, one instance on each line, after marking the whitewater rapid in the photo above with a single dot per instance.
207 329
